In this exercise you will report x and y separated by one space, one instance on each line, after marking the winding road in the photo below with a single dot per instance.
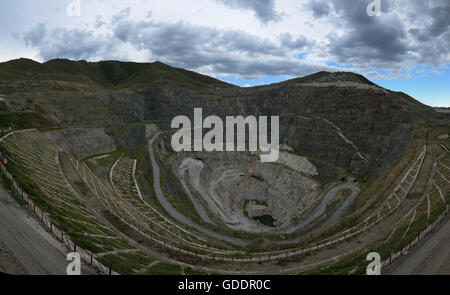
240 242
185 167
177 215
323 206
321 210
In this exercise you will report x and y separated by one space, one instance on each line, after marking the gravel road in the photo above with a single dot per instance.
25 246
431 257
177 215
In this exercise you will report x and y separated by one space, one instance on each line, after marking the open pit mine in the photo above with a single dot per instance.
90 157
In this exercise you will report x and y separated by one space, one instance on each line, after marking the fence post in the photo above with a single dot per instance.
110 269
92 256
74 246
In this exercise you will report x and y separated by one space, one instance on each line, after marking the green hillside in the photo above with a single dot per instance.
105 74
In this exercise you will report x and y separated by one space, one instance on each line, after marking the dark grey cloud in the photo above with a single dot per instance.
318 8
372 42
388 41
441 20
264 9
288 41
190 46
179 37
433 17
368 41
183 45
430 32
73 44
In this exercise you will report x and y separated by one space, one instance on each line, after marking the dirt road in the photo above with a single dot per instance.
25 247
322 207
432 257
177 215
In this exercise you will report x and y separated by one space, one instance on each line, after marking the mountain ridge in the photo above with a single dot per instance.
122 74
105 74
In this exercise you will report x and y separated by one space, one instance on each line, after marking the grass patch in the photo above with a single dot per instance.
163 268
24 120
193 272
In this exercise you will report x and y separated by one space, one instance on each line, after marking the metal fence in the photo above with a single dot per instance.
405 250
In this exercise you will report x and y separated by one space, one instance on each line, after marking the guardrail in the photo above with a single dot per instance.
405 250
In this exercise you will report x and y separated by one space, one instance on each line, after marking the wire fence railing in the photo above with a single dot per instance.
422 235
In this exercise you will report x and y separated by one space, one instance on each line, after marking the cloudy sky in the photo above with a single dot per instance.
246 42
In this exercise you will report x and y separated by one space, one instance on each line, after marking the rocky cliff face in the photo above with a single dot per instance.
82 142
341 122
